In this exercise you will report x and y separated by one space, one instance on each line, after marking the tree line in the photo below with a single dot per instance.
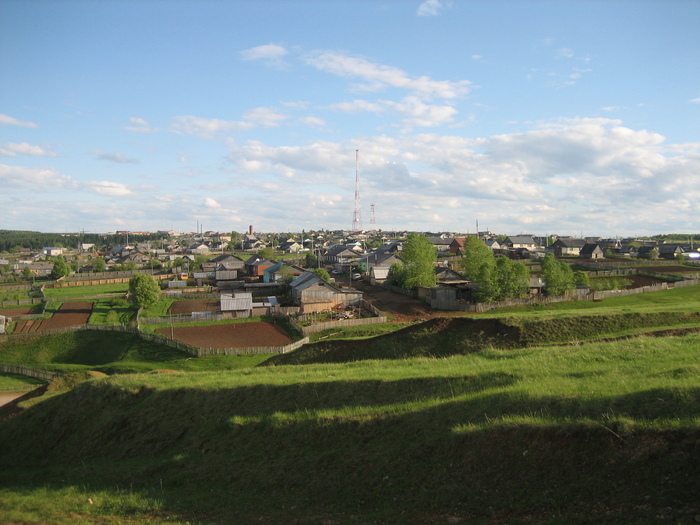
495 278
13 240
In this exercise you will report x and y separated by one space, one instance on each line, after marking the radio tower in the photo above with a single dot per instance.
371 216
357 216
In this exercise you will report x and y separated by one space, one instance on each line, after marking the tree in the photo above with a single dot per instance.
419 262
322 273
512 279
60 269
143 290
396 275
311 260
27 273
478 262
99 264
581 278
558 276
286 273
266 253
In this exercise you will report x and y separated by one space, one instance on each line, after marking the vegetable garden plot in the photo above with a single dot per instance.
232 335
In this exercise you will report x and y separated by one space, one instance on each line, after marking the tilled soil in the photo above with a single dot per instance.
194 305
74 313
15 312
232 335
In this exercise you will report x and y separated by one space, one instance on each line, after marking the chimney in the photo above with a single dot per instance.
250 230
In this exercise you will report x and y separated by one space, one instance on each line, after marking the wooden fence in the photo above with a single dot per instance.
20 302
30 372
341 323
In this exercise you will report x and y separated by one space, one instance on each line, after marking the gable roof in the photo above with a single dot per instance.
590 248
520 239
236 301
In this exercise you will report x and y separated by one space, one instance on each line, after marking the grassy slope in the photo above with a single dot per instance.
537 434
495 435
111 352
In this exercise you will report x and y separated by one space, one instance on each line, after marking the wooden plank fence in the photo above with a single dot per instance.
30 372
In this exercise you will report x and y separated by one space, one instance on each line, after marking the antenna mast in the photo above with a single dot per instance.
357 216
372 220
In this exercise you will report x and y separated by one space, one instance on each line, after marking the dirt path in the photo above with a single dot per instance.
6 398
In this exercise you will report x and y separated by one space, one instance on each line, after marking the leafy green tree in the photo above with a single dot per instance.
143 290
311 260
27 273
512 280
60 268
581 278
236 241
558 276
419 262
322 273
266 253
396 275
99 264
286 274
478 262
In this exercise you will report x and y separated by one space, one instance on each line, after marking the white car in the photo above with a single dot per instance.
356 276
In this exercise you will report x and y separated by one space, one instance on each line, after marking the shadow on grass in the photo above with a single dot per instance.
404 451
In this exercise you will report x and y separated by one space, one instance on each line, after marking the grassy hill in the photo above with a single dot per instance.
462 420
603 433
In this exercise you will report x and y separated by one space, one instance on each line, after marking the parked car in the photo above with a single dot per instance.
356 276
336 272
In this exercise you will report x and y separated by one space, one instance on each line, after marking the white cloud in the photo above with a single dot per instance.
271 54
565 52
139 125
114 157
313 121
551 177
11 121
12 149
206 128
210 128
378 77
112 189
695 101
264 117
432 7
34 179
264 52
211 203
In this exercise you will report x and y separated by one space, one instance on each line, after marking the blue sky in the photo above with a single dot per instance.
566 117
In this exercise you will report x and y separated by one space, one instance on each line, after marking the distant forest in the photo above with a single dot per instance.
12 240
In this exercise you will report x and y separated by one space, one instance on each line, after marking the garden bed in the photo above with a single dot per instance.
230 335
69 314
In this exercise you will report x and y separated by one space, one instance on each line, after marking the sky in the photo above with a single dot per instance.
519 117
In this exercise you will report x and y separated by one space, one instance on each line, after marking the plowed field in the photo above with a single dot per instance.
15 312
69 314
233 335
189 306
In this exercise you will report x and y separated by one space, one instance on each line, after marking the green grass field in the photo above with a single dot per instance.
536 435
480 419
86 291
9 382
